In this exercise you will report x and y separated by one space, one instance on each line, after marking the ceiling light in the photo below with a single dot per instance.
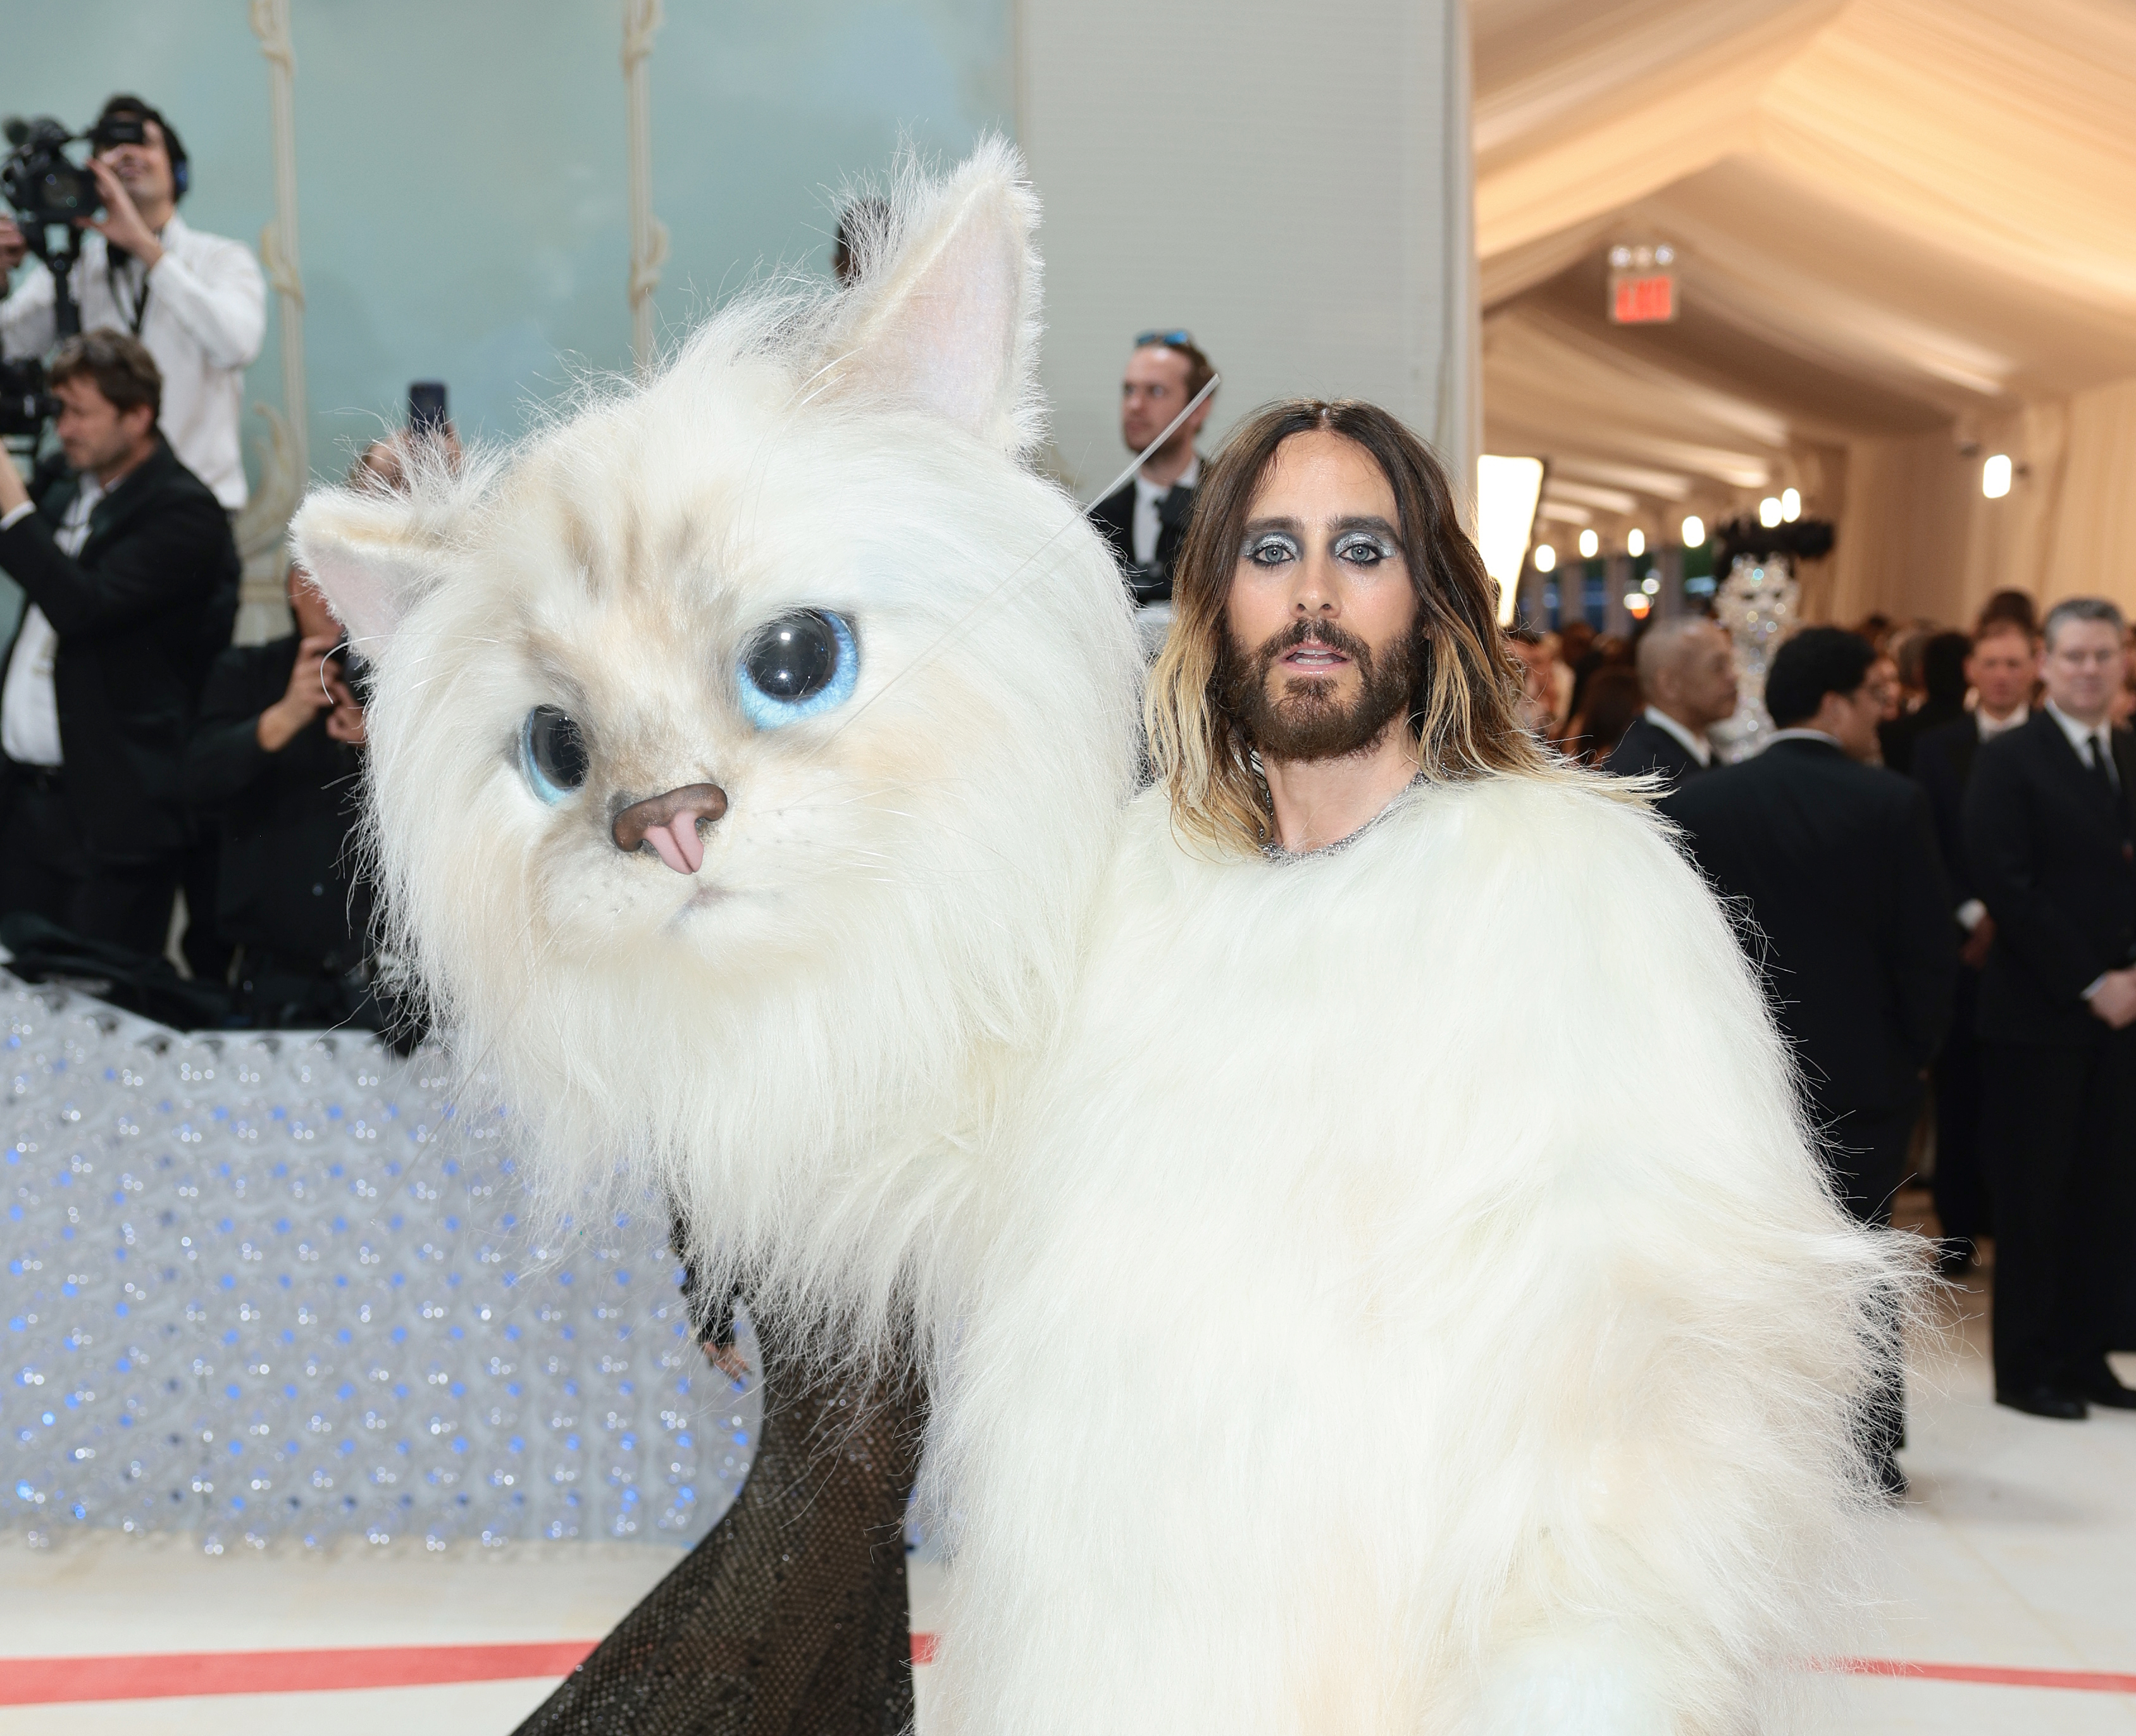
1590 544
1546 557
1635 544
1694 531
1790 504
1995 476
1768 511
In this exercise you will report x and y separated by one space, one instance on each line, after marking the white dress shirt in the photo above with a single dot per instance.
1698 746
2094 742
1147 528
29 704
204 318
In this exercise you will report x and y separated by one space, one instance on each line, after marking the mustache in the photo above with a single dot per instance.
1321 633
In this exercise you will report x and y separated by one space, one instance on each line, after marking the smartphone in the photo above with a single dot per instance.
426 407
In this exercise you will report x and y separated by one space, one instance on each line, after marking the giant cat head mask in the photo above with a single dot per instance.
743 747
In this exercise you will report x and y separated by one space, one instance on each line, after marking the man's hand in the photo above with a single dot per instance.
121 223
2114 1001
344 722
307 695
1974 953
13 244
13 492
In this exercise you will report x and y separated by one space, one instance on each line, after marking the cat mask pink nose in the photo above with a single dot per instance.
670 824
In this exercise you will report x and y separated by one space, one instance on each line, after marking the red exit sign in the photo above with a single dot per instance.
1641 298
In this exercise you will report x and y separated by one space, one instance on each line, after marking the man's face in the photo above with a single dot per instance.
143 169
1698 687
2082 667
1152 392
1321 620
93 434
1999 668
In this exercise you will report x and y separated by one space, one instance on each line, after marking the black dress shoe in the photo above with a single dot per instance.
2045 1401
2103 1389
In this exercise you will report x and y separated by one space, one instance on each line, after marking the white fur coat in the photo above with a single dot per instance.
1313 1353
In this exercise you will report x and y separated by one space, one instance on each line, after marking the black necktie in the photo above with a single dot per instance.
2095 756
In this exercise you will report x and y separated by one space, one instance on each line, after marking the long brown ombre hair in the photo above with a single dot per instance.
1464 707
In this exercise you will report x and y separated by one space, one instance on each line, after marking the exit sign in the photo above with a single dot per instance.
1642 298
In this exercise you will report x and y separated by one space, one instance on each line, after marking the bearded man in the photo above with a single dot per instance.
1455 1398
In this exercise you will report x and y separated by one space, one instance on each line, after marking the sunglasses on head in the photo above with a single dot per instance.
1163 338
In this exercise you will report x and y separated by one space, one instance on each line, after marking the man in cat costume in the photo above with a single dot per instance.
753 759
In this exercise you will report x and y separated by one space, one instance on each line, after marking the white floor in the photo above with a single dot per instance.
2016 1550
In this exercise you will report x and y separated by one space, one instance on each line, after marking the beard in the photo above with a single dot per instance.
1306 720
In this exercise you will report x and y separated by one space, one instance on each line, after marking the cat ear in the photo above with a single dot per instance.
372 556
945 313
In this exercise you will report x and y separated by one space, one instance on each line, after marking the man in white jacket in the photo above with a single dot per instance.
197 301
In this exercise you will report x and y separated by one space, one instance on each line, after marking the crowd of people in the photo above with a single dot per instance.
1934 857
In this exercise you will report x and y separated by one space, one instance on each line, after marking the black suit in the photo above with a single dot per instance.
1942 764
139 614
1113 518
289 894
1837 864
1647 747
2051 849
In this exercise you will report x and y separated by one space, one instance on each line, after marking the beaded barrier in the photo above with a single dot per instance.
277 1285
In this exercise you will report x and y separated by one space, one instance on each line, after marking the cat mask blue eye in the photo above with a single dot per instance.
552 754
799 666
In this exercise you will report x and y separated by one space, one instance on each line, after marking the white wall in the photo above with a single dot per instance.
1290 181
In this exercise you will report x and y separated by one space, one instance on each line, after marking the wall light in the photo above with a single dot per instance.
1995 476
1790 505
1507 491
1590 544
1635 544
1768 511
1546 558
1694 531
1638 602
1652 585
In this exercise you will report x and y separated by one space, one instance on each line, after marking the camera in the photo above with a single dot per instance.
47 186
25 405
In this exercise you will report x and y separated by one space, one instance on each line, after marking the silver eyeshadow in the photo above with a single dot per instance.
1273 542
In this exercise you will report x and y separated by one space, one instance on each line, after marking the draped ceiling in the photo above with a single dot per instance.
1906 238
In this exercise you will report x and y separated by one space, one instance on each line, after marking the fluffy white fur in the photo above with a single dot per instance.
1308 1358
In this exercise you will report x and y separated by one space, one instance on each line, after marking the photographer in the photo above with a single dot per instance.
275 753
197 301
132 577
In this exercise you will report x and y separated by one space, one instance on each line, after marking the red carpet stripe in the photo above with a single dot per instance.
2084 1681
44 1681
40 1681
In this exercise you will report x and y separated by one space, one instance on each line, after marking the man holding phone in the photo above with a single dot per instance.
274 758
197 301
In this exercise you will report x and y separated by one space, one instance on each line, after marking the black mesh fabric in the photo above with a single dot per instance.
790 1618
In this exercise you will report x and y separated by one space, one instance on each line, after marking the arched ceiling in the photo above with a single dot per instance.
1893 218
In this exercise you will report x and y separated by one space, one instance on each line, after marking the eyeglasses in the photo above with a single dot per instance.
1171 338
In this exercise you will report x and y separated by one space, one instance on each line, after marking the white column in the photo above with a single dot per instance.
1290 183
648 234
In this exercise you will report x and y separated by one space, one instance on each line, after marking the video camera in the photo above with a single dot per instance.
49 191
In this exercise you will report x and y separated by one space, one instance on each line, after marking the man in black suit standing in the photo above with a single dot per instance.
1998 669
1835 858
1687 678
2051 847
132 577
1144 520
